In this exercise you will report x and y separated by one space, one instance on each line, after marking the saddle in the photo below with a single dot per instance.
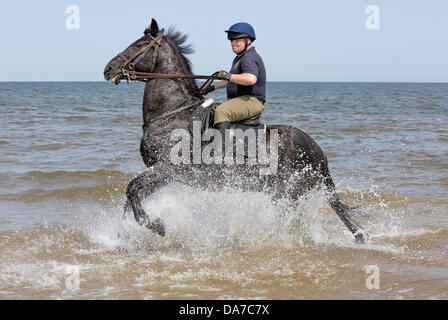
205 114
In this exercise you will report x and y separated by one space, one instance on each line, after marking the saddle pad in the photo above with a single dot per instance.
204 114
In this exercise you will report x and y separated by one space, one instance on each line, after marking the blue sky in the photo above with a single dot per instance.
320 40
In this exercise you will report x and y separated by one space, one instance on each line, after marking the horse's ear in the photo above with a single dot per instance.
154 29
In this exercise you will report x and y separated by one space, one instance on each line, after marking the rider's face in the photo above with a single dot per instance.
238 45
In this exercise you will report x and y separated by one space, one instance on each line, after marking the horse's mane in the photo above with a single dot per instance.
179 41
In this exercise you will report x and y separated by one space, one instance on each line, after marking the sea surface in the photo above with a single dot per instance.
68 150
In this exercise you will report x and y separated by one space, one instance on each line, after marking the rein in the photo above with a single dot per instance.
128 66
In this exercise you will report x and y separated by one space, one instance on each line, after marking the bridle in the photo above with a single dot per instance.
128 66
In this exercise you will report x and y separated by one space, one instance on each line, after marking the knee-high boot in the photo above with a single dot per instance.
223 127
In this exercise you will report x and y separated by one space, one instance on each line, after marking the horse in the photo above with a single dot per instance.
168 104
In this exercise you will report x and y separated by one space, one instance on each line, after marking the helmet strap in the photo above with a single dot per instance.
246 45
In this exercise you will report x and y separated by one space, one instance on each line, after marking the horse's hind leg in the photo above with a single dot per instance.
139 188
342 211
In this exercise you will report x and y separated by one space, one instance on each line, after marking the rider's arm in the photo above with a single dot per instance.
244 79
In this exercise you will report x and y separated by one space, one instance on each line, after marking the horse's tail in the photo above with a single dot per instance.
343 210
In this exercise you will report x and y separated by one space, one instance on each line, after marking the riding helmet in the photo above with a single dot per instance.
241 30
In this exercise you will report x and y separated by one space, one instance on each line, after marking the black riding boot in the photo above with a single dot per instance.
222 127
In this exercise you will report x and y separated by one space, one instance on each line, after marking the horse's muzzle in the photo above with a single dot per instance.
117 79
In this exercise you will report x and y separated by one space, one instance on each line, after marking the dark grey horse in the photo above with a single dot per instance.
168 105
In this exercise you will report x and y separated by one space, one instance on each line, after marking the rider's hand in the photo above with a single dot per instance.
207 89
223 75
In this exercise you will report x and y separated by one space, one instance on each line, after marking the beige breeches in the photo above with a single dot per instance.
238 109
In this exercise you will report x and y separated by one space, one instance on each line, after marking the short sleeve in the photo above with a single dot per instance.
249 65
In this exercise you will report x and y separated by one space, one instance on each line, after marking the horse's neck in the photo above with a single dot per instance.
165 95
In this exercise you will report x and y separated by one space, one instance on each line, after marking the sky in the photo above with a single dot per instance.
319 40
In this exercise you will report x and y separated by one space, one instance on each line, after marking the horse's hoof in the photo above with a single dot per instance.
157 226
123 235
361 237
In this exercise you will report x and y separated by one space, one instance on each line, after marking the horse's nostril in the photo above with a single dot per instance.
108 68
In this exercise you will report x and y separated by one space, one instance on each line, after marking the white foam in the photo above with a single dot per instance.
202 220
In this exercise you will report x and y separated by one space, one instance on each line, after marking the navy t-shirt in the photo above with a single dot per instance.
249 62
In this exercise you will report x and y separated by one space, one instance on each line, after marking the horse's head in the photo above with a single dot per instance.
140 56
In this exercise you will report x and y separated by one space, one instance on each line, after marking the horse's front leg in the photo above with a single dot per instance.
138 189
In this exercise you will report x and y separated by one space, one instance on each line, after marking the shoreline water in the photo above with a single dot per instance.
69 149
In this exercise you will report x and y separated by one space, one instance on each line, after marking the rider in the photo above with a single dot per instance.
245 83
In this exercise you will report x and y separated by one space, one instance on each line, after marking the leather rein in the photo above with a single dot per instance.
128 66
